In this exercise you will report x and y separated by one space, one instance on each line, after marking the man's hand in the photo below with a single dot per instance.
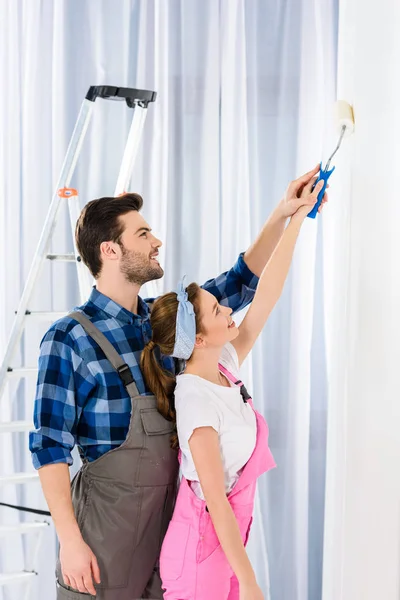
79 566
293 200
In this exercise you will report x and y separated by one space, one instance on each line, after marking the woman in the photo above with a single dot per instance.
223 441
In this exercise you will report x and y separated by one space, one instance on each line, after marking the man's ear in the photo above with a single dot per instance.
110 250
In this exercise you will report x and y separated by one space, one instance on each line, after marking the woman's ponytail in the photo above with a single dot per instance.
161 383
158 380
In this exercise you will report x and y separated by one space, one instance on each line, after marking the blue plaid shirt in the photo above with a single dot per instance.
80 398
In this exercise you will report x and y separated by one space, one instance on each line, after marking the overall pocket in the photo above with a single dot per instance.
110 529
209 541
64 592
158 461
173 551
246 537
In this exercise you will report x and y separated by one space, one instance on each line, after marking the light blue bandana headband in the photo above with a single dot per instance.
185 335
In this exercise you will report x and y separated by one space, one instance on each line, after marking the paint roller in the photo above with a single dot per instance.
345 122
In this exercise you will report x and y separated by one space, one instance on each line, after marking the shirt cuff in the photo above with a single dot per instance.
248 277
51 456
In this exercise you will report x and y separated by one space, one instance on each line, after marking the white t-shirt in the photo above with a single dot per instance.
200 403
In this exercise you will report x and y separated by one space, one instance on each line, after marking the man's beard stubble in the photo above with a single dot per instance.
139 268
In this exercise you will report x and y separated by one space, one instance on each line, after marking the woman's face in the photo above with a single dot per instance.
217 324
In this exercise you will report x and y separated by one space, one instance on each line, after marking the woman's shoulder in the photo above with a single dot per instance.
190 386
195 401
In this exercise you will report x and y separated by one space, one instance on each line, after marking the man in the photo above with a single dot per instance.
91 393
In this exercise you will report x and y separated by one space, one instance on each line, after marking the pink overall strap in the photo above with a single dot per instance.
244 393
229 375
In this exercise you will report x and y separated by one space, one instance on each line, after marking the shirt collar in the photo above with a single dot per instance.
117 311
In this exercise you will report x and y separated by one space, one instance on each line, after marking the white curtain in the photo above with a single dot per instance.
244 92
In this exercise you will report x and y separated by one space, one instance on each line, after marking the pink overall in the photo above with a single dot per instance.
193 565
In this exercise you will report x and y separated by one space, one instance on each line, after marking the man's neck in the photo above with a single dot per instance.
120 291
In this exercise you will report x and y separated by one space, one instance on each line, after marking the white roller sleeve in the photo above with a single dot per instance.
344 116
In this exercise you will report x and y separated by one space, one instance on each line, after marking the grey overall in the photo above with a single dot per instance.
124 500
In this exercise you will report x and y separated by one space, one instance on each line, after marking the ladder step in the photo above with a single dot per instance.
21 372
6 530
6 578
45 315
15 426
19 478
62 257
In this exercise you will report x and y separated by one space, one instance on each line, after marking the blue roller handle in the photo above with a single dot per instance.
323 176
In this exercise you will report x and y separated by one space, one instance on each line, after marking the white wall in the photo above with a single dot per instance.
362 542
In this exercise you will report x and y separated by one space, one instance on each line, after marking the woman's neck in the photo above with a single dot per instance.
204 363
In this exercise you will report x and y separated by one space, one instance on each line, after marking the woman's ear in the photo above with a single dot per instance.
199 342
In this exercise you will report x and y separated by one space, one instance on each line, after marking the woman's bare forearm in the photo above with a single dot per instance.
230 538
205 448
276 271
259 253
268 291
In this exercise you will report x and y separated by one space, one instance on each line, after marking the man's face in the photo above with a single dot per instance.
139 260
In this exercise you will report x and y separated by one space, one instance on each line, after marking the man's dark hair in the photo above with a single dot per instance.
99 222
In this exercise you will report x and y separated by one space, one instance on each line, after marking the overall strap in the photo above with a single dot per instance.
229 375
110 352
245 394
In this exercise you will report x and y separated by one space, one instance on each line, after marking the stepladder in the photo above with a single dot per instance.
22 524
